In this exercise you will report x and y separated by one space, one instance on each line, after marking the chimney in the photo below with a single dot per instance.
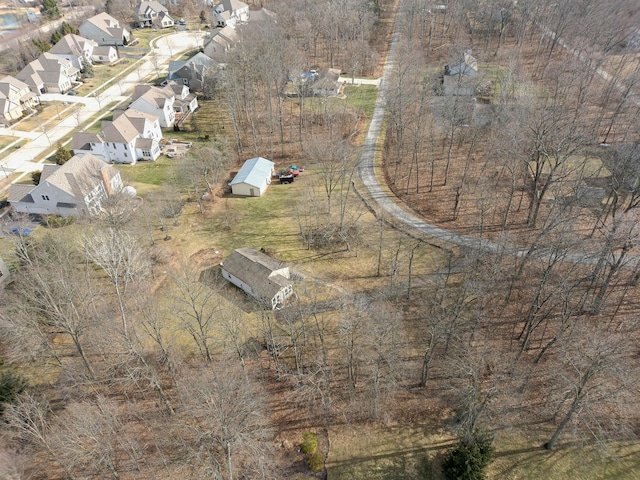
106 180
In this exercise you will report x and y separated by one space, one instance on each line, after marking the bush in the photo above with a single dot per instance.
469 460
53 221
309 443
316 462
11 385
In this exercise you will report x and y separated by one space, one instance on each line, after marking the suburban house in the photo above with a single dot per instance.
185 102
131 136
157 101
190 72
152 13
49 74
264 278
328 83
15 99
459 79
78 50
231 12
253 178
220 43
105 30
104 54
76 188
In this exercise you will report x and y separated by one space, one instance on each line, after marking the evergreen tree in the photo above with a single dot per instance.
56 36
470 459
62 154
35 176
50 9
87 69
42 45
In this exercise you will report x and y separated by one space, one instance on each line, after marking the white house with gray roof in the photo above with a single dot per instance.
76 188
157 101
231 12
131 136
78 50
152 13
264 278
105 30
49 74
253 178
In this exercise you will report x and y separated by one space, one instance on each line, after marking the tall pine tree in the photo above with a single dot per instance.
50 9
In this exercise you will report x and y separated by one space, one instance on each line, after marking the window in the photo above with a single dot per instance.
114 145
45 197
125 154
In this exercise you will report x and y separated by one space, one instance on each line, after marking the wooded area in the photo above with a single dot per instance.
127 356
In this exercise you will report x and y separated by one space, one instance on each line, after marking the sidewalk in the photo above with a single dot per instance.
42 144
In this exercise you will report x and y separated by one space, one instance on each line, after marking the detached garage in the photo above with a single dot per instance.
253 178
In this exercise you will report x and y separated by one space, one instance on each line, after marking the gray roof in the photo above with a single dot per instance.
254 171
20 193
256 270
71 44
142 7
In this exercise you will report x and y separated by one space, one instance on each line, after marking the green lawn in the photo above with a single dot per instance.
362 97
395 454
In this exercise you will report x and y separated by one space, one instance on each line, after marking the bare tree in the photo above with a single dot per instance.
197 306
227 408
595 382
121 258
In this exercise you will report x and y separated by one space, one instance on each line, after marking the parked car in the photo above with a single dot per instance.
23 232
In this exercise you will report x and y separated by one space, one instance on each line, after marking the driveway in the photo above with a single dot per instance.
393 208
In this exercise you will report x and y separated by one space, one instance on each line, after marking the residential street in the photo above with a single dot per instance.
163 49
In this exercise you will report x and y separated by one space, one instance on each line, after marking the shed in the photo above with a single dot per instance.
253 178
264 278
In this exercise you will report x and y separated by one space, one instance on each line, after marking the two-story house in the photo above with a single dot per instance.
49 74
152 13
185 102
190 72
156 101
78 50
15 99
105 30
231 12
77 188
131 136
220 42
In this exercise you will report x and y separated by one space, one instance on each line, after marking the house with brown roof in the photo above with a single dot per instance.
15 99
131 136
49 74
105 30
264 278
76 188
157 101
78 50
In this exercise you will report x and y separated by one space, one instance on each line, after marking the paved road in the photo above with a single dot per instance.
370 181
393 208
163 49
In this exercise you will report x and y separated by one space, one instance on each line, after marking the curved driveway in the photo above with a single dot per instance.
370 181
387 203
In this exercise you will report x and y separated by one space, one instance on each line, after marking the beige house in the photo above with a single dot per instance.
15 99
253 178
264 278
